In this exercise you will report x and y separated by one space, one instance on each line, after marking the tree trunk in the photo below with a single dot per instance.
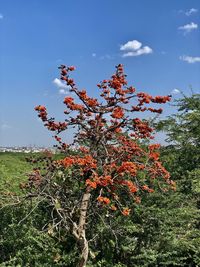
79 230
84 252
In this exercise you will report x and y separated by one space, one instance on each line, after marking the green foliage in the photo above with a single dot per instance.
183 131
160 232
182 158
28 243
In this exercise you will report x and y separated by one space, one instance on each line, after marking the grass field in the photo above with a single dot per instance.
13 170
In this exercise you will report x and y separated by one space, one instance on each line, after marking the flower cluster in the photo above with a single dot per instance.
161 99
144 98
142 129
132 187
69 101
117 113
42 113
128 167
85 163
103 200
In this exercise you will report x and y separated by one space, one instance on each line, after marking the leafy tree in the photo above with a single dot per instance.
183 131
110 165
182 158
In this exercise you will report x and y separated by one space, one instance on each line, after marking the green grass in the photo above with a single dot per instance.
13 170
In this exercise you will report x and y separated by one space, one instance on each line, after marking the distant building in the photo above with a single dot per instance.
25 149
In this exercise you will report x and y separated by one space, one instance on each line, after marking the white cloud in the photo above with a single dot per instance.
94 54
191 11
1 16
63 88
188 27
60 84
139 52
134 48
175 91
190 59
131 46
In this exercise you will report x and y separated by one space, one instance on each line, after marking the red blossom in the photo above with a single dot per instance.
91 183
118 113
103 200
161 99
126 211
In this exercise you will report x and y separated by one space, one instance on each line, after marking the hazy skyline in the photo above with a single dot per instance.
158 42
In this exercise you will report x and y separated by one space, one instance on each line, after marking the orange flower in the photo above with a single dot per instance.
161 99
145 187
92 102
68 161
40 108
91 184
160 110
154 146
128 167
63 72
154 155
131 89
126 211
118 130
70 82
113 207
104 200
132 187
68 100
71 68
77 107
83 94
118 113
150 190
86 161
105 180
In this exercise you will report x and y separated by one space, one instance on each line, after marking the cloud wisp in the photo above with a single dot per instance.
188 12
63 88
188 27
191 11
1 16
189 59
134 48
175 91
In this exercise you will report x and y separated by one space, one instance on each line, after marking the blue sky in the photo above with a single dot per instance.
157 41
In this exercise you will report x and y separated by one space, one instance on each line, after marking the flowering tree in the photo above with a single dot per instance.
110 164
